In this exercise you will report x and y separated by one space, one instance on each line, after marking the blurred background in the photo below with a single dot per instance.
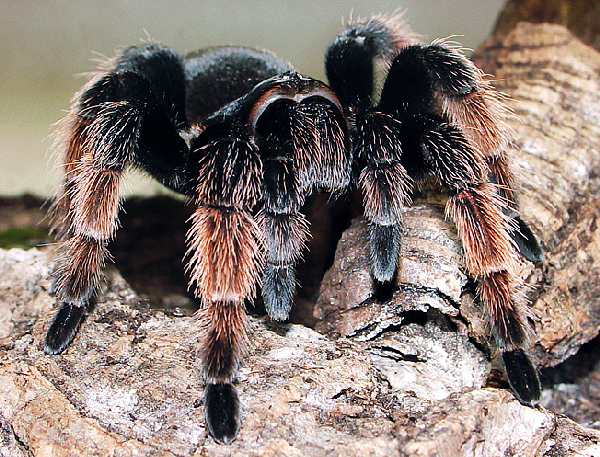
48 44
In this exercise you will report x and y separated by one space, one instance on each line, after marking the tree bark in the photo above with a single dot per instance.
581 17
400 377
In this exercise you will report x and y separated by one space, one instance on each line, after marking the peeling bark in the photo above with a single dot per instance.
128 385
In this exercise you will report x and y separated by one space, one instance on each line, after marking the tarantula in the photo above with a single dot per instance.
247 139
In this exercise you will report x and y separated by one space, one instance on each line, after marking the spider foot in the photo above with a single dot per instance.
63 328
222 412
278 285
526 242
522 376
384 242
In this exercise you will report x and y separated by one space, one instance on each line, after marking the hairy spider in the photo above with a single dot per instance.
247 139
241 134
435 115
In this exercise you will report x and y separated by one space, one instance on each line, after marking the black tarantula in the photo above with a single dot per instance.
247 139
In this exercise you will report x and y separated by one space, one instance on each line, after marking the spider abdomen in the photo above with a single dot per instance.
218 75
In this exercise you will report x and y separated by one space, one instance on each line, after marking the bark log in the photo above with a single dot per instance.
401 377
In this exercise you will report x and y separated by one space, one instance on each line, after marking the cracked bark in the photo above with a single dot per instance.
399 377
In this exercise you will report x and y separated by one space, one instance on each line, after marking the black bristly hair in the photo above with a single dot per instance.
349 62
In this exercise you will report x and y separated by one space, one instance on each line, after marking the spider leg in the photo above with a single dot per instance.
361 53
113 123
284 227
470 102
353 62
304 147
225 252
386 187
93 197
484 229
285 230
482 215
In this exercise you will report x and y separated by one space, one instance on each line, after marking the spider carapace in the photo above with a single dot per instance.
247 139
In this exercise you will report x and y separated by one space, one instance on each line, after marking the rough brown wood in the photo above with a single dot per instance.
406 381
554 82
129 386
581 17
